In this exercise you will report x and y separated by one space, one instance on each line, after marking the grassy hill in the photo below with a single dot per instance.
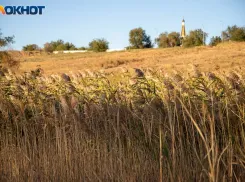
223 57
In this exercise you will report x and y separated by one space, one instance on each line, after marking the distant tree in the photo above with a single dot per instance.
83 48
168 40
70 46
195 38
4 41
48 47
234 33
6 60
174 39
59 45
99 45
138 39
215 40
225 36
54 46
30 47
162 41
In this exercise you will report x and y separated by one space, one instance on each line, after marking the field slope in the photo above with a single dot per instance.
224 56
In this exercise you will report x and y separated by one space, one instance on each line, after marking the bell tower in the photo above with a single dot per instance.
183 33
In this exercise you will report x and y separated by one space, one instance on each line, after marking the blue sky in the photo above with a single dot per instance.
80 21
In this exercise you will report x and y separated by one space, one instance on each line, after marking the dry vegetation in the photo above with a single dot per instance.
224 56
87 128
152 126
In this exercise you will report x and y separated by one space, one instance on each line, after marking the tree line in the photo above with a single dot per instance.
198 37
97 45
138 39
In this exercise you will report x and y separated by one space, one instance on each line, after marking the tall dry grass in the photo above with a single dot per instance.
86 127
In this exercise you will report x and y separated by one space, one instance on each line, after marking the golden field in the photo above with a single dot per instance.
224 56
187 125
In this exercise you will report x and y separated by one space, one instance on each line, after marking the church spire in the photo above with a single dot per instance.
183 33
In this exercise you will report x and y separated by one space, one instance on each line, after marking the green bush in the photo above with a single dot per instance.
195 38
234 33
83 48
30 47
48 47
168 40
215 41
99 45
59 45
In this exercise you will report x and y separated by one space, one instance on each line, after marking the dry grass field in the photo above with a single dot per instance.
224 56
187 125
